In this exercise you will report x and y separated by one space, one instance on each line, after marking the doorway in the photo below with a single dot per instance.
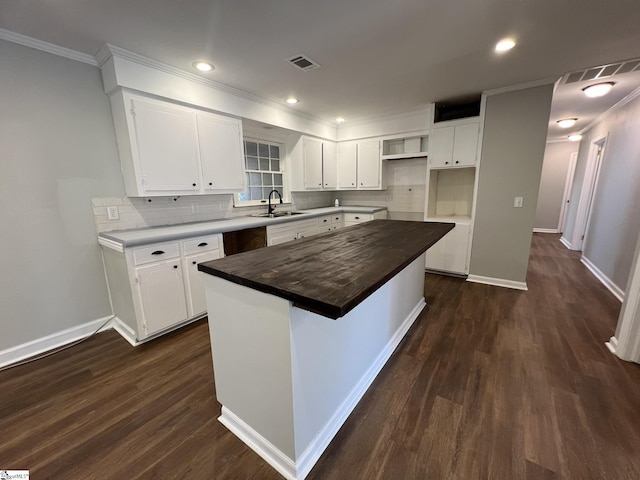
566 196
594 161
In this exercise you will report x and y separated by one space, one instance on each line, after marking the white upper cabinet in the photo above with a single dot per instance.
347 165
165 143
220 141
454 145
369 165
312 158
168 149
329 166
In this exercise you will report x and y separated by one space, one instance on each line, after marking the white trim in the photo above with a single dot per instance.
498 282
628 328
612 287
520 86
40 345
126 332
558 140
545 230
318 445
112 244
612 345
565 242
300 469
31 42
263 447
617 106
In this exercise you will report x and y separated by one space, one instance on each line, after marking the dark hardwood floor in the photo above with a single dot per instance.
490 383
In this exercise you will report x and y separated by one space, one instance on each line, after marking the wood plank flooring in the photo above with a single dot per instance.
490 383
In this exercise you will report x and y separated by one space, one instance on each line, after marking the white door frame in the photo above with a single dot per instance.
587 193
566 196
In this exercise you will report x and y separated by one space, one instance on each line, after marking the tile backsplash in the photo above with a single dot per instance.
156 211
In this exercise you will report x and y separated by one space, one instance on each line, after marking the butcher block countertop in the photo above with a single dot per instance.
331 273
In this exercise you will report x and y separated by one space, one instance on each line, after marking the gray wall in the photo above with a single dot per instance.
58 150
615 216
555 169
515 132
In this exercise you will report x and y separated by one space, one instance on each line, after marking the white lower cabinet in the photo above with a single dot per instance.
155 288
449 254
355 218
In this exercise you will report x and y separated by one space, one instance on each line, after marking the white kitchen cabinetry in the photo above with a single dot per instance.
449 254
360 166
313 164
329 166
157 287
286 232
454 144
168 149
355 218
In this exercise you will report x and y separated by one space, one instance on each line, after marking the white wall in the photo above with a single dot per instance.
58 150
555 168
615 222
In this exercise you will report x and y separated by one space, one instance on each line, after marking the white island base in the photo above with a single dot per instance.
288 378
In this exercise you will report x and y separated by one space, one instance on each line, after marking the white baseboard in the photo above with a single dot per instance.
298 470
612 287
263 447
125 331
545 230
612 345
498 282
55 340
565 242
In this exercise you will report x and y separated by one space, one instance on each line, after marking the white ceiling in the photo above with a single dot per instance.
378 57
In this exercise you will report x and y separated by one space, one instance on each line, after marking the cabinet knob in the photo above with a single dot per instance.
446 163
194 262
457 161
353 184
361 183
210 183
175 266
357 218
194 184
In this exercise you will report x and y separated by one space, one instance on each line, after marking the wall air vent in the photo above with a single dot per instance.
303 62
603 71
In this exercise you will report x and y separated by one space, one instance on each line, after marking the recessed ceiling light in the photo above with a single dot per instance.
203 66
575 137
339 120
505 44
598 89
292 100
567 122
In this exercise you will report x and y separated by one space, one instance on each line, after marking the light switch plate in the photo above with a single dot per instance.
112 213
517 202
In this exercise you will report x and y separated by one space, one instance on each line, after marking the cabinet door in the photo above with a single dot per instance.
369 164
312 157
457 244
221 155
196 300
441 147
465 144
161 289
347 161
435 255
329 166
166 146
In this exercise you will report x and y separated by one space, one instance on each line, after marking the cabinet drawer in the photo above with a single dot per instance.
337 219
357 217
201 244
155 253
324 221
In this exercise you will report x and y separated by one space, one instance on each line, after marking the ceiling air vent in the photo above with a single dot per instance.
303 62
603 71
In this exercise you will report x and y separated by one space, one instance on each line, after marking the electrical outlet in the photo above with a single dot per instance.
517 202
195 208
112 213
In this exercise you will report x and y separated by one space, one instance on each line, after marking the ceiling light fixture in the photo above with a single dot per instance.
292 100
203 66
505 45
576 137
567 122
598 89
339 120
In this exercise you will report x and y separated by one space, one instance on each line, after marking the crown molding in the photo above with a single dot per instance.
47 47
559 140
632 96
109 50
391 117
521 86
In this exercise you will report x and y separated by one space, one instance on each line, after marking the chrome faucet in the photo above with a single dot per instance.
273 207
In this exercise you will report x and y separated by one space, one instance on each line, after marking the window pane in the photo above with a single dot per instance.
244 196
264 150
251 149
252 163
277 179
279 189
275 151
256 193
264 164
254 179
275 165
246 180
265 194
267 179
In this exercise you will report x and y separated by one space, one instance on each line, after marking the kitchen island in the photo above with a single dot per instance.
299 331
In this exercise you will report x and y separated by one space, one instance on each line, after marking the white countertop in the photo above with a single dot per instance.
142 236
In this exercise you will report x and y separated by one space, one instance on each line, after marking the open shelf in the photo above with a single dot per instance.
409 147
451 194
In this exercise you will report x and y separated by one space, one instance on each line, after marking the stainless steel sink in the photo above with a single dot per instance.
277 214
